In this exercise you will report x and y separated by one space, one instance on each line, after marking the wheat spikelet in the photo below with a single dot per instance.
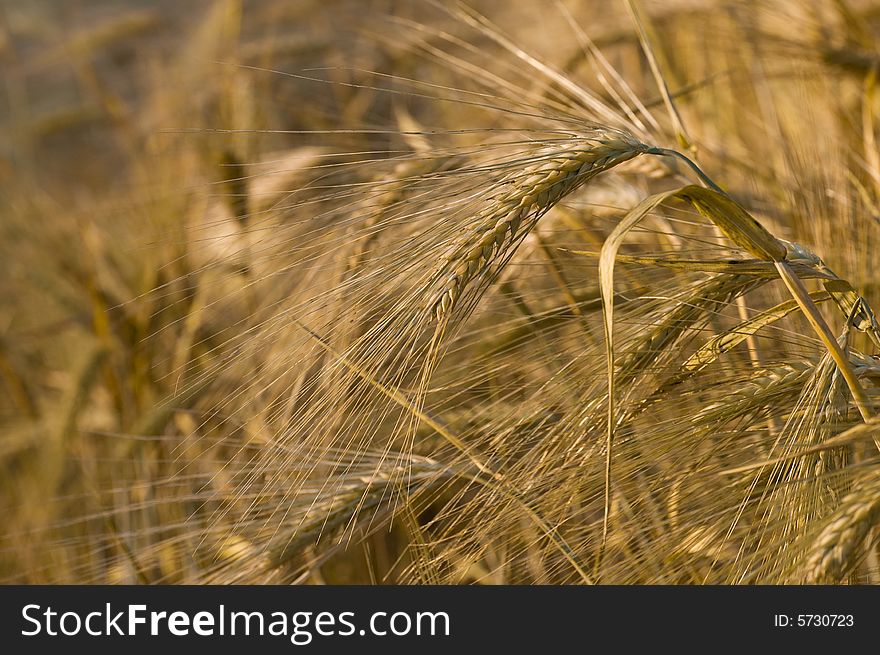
520 202
312 369
714 292
835 552
325 511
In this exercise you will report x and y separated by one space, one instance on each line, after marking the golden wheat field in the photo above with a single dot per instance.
404 291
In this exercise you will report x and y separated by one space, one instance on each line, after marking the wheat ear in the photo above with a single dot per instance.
522 199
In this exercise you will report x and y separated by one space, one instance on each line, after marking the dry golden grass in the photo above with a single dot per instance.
440 293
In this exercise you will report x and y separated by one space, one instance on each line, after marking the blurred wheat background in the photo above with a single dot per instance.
398 291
